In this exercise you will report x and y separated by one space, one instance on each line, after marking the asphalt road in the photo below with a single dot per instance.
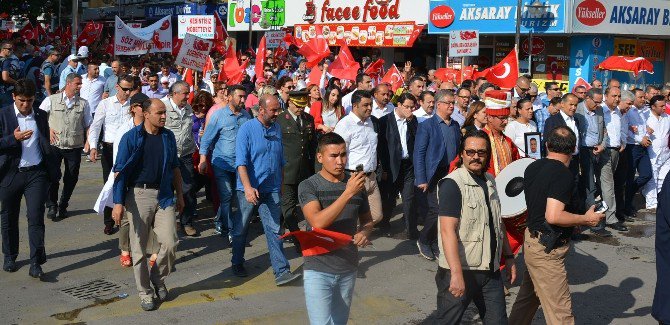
612 281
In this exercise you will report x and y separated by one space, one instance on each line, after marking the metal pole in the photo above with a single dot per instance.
75 26
251 22
59 12
530 50
517 36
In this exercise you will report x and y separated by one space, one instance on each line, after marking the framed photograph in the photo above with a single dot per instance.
533 144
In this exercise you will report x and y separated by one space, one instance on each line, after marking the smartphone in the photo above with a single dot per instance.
359 168
601 207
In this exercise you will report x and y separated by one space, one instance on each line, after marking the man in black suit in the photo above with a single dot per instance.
395 147
25 169
566 117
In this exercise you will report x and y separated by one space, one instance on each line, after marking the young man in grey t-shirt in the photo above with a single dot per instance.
334 201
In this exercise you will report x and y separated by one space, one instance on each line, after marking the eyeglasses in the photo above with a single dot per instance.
554 89
125 89
472 152
448 103
523 89
597 102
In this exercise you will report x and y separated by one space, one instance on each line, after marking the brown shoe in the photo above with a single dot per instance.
189 230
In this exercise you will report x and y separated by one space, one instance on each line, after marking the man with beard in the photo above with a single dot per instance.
259 158
382 101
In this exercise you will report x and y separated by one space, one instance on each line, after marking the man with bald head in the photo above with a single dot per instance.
148 171
522 87
259 158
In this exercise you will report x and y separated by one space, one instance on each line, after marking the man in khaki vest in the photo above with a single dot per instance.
180 121
472 236
69 119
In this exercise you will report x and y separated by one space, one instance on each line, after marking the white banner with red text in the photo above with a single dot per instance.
135 41
194 52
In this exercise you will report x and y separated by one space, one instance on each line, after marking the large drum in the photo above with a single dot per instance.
513 201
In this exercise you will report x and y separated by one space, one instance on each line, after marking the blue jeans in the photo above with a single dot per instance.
225 184
638 159
328 296
269 211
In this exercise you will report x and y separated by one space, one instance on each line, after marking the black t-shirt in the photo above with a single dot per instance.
450 201
150 165
317 188
547 178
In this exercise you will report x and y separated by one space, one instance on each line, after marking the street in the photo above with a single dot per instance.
612 281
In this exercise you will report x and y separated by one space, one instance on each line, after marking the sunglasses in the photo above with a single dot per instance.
554 89
472 152
524 89
125 89
290 87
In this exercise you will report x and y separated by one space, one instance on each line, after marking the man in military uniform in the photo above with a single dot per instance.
299 142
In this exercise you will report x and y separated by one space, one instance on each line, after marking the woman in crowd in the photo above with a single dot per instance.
220 99
476 119
314 96
328 112
521 125
202 102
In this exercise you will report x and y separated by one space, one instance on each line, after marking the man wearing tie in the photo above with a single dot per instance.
397 132
25 169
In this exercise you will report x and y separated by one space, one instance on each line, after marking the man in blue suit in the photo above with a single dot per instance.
436 146
26 169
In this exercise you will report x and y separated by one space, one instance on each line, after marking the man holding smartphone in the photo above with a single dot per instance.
548 185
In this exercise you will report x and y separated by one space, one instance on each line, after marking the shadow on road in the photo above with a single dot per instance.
613 303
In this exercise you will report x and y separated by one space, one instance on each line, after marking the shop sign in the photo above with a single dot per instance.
652 50
562 85
153 12
108 13
650 17
202 26
399 34
625 47
263 14
194 52
464 43
274 39
499 16
442 16
356 11
586 52
538 46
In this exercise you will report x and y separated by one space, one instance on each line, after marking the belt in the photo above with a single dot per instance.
560 242
30 168
148 186
614 148
353 171
111 144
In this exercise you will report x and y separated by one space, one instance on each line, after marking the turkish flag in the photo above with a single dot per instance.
468 72
220 36
289 39
188 78
505 73
109 49
393 78
320 241
89 34
232 69
581 82
448 74
261 56
376 70
209 65
314 77
316 49
28 32
344 67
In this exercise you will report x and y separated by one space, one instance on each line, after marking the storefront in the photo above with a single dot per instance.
616 27
495 20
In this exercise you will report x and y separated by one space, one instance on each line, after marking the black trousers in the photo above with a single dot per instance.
33 186
107 163
389 190
289 207
484 288
620 177
428 234
72 158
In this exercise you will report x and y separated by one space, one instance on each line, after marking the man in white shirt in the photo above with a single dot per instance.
154 90
461 108
426 106
361 138
637 139
69 120
363 82
659 153
381 105
165 72
92 87
111 114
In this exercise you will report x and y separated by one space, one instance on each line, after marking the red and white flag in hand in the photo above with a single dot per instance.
344 67
581 82
320 241
261 58
376 71
91 32
189 79
220 36
448 74
393 78
468 72
209 66
231 66
316 49
505 73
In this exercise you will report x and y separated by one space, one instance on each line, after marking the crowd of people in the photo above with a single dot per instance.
337 154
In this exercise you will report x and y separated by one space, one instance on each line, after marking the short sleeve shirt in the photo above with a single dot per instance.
317 188
543 179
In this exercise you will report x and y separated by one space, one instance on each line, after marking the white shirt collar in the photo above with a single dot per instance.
565 116
398 118
18 114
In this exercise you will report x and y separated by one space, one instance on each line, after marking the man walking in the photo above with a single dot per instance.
148 171
69 120
259 158
335 201
637 139
26 170
363 82
50 72
154 90
110 85
436 145
397 132
92 87
180 122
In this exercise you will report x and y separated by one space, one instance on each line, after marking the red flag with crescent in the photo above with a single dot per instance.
28 32
581 82
220 36
232 69
505 73
448 74
344 67
393 78
316 49
376 70
320 241
91 32
261 56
